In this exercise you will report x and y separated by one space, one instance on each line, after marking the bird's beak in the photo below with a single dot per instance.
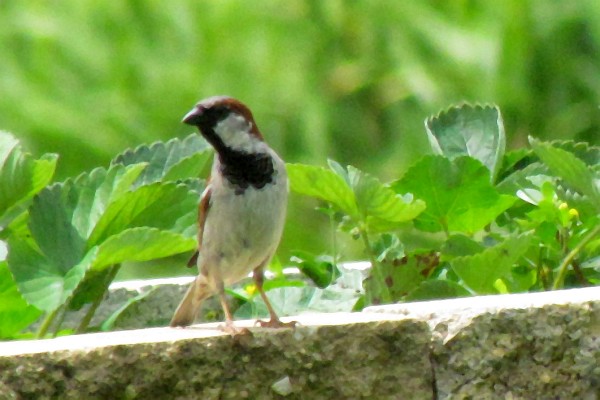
193 117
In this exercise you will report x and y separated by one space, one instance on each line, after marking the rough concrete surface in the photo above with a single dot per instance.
387 359
530 346
525 346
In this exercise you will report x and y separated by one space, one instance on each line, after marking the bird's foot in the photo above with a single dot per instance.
233 330
275 323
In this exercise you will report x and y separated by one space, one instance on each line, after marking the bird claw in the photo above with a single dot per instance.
276 323
234 331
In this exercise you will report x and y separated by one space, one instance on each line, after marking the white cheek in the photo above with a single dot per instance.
235 133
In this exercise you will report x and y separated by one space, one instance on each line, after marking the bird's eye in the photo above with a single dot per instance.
218 113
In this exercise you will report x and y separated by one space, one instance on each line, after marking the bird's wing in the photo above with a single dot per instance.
202 212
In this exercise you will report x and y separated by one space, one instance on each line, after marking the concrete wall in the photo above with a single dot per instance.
535 346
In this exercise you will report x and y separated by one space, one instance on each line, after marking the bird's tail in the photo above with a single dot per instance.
192 301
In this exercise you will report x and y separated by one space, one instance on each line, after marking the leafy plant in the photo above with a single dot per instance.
21 177
68 246
470 219
482 220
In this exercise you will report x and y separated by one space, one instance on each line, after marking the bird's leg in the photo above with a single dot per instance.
274 322
229 325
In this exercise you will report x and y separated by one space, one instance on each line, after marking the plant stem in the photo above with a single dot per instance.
46 324
542 274
63 312
375 270
333 235
92 310
562 270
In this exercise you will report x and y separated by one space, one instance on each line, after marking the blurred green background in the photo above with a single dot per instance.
348 80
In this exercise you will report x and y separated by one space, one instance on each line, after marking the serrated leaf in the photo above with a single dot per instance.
188 167
43 281
63 215
458 194
58 232
21 176
322 184
338 169
141 244
380 205
174 160
481 271
585 208
590 155
391 280
573 171
156 205
86 197
15 313
88 221
475 131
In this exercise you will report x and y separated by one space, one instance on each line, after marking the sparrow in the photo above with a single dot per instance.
242 211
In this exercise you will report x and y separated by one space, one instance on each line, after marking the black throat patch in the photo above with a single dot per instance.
244 170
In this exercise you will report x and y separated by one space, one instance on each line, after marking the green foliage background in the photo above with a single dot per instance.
351 81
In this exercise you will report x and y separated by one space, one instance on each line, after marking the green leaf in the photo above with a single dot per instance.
569 168
481 271
175 160
8 143
475 131
339 170
437 289
293 300
113 319
590 155
62 216
46 282
322 184
189 167
88 222
387 247
21 176
460 245
156 205
320 269
458 194
15 313
85 198
378 204
285 300
57 226
359 195
515 158
529 177
141 244
393 279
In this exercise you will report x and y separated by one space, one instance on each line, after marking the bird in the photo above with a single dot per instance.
242 211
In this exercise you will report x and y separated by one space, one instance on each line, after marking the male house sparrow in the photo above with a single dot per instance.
242 210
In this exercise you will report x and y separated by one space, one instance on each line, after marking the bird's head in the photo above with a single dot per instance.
226 123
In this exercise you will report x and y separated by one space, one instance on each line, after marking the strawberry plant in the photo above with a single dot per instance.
66 247
481 220
471 218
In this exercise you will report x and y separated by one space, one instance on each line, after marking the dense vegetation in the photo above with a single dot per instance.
348 81
471 219
488 212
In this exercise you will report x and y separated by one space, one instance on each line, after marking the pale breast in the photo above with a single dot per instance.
243 230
